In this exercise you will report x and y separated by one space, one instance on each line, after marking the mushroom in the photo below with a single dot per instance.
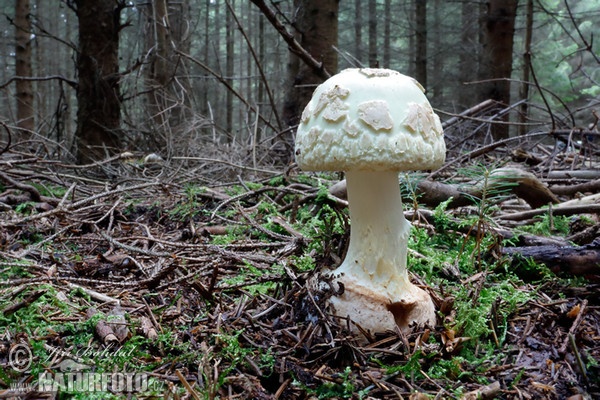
372 124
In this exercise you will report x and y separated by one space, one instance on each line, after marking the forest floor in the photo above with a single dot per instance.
198 288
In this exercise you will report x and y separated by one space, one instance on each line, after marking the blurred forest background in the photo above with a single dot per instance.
85 79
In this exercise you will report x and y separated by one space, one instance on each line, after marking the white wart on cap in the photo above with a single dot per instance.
369 119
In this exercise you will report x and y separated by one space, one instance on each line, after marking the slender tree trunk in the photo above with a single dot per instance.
373 61
25 110
421 42
437 73
410 65
229 46
499 35
524 94
207 44
169 94
358 45
387 22
98 115
159 71
261 58
317 26
262 100
468 54
69 127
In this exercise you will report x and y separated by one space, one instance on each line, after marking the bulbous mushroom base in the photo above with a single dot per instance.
377 311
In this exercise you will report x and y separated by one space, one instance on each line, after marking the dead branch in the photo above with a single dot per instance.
225 82
574 174
70 82
485 392
580 312
476 109
33 192
103 329
77 205
574 260
11 309
592 186
258 64
522 183
289 38
480 151
570 210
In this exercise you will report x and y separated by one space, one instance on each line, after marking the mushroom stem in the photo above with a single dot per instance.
379 232
378 294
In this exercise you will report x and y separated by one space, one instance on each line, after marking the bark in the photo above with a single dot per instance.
358 22
262 63
499 28
437 83
524 93
317 26
99 107
421 42
467 64
373 61
387 32
159 71
574 260
521 183
166 98
24 87
229 72
29 300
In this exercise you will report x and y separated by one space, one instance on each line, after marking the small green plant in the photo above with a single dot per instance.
249 274
237 354
234 233
342 388
529 270
451 369
321 227
495 300
50 190
548 224
190 206
303 263
492 188
25 208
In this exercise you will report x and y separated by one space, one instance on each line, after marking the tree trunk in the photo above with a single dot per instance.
468 54
387 33
229 47
262 62
410 6
25 114
524 92
574 260
373 61
358 30
421 42
437 82
317 26
166 98
204 85
99 107
499 28
159 71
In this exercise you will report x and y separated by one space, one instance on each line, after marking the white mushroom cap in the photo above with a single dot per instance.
369 119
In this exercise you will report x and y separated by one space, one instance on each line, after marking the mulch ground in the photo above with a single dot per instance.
116 242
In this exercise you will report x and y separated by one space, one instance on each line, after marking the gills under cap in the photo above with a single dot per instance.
369 119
